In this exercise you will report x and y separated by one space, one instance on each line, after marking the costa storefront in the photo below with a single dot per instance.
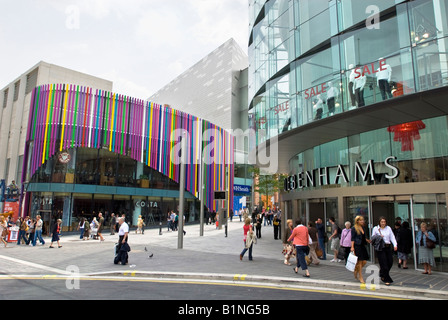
90 151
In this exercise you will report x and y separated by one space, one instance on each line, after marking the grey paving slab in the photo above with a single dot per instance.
212 254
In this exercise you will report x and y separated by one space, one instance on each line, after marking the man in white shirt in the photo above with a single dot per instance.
38 231
123 232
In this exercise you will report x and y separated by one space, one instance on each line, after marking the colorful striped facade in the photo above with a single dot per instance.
64 117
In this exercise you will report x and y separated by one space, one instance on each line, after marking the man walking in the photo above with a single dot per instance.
113 222
100 226
123 247
38 231
335 239
321 237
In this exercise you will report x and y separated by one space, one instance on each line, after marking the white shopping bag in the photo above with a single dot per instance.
351 262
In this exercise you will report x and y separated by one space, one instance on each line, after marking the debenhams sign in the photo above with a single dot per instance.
321 176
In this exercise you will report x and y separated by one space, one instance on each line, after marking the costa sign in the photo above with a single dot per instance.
149 204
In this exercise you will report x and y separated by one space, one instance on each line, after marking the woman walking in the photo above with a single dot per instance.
404 244
426 243
248 237
288 247
300 237
139 225
55 233
359 242
276 224
312 230
385 256
346 240
258 223
23 226
3 230
81 228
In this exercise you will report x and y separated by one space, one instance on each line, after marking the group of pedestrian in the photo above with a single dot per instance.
94 230
30 230
173 221
307 244
267 217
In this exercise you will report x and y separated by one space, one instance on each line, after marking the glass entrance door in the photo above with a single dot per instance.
396 210
431 209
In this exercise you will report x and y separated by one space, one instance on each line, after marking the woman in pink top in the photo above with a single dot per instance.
247 229
346 240
300 238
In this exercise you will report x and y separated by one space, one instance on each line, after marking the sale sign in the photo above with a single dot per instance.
12 207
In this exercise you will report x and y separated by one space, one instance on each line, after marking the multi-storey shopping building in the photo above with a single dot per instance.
356 93
75 148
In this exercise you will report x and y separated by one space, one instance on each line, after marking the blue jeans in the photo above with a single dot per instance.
250 251
322 246
22 235
301 253
38 235
81 236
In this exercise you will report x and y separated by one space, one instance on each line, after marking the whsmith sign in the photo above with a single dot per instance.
321 176
242 189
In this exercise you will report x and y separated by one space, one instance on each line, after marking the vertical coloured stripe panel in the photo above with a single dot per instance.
64 117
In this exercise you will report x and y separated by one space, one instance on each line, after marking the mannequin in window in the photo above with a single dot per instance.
384 76
286 126
351 85
332 95
358 89
318 107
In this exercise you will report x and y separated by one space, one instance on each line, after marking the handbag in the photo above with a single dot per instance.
341 253
319 252
430 244
351 262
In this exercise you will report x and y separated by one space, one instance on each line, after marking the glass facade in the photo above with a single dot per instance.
101 168
419 150
310 60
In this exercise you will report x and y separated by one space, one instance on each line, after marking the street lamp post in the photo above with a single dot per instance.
202 188
183 161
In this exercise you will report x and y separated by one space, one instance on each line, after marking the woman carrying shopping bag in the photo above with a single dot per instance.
249 239
359 249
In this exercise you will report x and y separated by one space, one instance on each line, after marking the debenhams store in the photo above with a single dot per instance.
360 113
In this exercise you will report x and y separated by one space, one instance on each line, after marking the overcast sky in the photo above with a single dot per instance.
140 45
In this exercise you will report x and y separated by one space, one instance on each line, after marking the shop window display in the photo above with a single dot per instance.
331 69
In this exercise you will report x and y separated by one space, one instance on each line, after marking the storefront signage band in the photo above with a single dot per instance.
143 204
321 176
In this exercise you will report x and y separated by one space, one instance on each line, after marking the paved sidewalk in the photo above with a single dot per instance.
213 257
